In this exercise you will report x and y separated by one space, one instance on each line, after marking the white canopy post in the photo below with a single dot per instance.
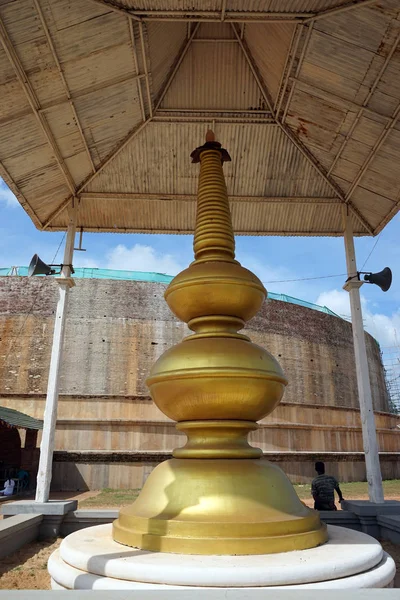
352 285
65 282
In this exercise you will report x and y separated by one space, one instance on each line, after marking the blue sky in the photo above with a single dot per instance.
276 260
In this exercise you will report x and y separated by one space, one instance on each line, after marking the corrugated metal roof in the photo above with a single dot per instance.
283 5
165 43
250 215
15 418
114 119
184 5
232 5
201 81
264 163
269 44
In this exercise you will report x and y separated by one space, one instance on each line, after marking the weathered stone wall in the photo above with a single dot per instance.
92 471
110 434
117 329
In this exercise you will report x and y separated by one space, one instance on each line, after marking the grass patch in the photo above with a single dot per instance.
354 490
110 498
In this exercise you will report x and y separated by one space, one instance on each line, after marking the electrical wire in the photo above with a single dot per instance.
59 246
305 278
373 248
266 282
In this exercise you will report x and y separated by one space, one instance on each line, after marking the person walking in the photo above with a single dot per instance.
323 489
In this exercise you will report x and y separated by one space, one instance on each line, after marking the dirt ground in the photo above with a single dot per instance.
27 568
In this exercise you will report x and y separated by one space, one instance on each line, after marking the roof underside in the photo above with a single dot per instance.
15 418
103 102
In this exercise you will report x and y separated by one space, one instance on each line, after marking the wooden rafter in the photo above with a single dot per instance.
189 231
5 175
35 105
176 66
241 111
145 68
225 15
136 62
109 196
339 9
214 16
250 61
214 41
63 81
291 54
223 9
57 212
298 68
211 119
122 10
386 219
131 135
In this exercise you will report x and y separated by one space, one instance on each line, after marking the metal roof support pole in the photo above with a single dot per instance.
65 282
352 285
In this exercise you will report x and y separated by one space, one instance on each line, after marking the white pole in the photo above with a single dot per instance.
374 477
65 282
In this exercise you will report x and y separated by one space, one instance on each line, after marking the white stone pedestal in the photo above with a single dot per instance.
90 559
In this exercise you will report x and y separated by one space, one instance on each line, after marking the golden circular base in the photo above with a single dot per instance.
220 506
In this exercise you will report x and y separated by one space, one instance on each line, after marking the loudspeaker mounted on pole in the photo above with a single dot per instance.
383 279
38 267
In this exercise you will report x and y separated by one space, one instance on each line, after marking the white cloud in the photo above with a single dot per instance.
281 279
336 300
87 263
384 328
6 195
142 258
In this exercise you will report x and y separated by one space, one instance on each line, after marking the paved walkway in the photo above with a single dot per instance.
80 496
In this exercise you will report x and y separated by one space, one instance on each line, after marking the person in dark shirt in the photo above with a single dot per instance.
323 489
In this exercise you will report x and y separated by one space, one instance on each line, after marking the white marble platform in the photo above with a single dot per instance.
90 559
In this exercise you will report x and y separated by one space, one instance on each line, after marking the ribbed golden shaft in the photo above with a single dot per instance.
213 238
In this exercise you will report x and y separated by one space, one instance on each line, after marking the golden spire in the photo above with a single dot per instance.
215 496
213 237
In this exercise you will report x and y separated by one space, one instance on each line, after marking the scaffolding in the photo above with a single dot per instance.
95 273
391 365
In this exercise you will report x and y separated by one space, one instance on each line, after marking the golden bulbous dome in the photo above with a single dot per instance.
215 288
216 378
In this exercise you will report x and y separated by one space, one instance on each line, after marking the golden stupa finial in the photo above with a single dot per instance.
215 496
210 136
